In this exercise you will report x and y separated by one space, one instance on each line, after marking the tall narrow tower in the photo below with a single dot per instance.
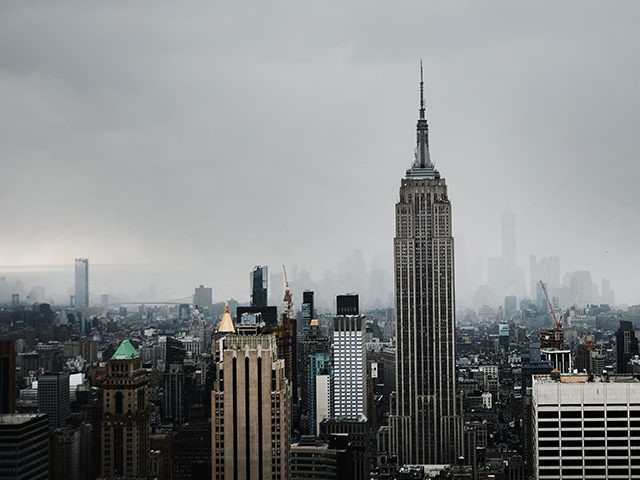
425 426
82 282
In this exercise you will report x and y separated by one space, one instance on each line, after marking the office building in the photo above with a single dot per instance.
81 297
586 427
348 375
307 314
126 416
626 346
24 447
53 397
203 298
314 362
7 376
258 285
251 411
425 425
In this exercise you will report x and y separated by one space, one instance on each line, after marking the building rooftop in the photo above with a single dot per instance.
586 378
18 418
125 351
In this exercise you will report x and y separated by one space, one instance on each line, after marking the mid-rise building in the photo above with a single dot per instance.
425 425
82 283
24 447
251 411
586 426
54 398
126 416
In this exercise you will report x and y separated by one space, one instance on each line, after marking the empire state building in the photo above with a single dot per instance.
425 425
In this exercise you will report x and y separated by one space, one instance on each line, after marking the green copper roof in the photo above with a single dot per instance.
125 351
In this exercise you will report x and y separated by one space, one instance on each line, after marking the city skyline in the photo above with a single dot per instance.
544 132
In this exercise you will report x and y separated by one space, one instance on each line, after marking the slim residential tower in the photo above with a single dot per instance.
425 427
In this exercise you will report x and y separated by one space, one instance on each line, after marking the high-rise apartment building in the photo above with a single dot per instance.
53 397
82 283
126 416
586 427
251 411
259 286
348 375
7 376
425 426
24 447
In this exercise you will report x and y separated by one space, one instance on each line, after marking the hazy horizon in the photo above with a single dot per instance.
218 137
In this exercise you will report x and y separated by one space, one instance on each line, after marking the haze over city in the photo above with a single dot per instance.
212 138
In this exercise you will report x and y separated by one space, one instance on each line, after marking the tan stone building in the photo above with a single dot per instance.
125 419
251 411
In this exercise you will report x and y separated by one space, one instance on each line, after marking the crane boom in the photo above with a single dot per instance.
557 319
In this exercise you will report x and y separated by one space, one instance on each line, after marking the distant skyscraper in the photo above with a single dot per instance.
53 397
425 427
7 376
24 447
203 297
126 416
259 283
251 411
348 382
82 283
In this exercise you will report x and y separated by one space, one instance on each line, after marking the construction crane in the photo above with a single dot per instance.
556 332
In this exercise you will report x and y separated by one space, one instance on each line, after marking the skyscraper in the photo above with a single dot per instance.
82 283
53 397
125 421
251 411
259 280
348 382
425 426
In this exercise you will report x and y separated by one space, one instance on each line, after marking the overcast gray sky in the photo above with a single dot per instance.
223 135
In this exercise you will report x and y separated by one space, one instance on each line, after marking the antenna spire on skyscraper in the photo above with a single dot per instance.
421 91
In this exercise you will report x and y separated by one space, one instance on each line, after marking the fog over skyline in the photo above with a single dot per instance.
216 137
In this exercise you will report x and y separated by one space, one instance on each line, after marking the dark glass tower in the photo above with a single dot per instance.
425 426
259 286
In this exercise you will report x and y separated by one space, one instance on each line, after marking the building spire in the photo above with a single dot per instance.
421 91
422 166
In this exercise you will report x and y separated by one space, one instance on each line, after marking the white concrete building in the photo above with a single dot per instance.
586 427
349 391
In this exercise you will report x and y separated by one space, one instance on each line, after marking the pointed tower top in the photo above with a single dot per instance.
421 92
422 166
125 351
226 323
